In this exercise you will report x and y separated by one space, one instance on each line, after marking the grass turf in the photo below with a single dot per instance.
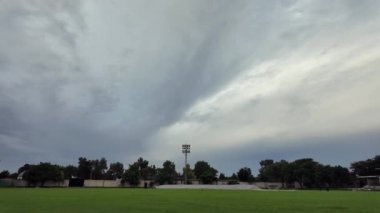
154 200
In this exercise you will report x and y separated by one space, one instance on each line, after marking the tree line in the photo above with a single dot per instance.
306 172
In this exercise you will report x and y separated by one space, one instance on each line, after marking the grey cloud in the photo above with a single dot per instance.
342 150
93 78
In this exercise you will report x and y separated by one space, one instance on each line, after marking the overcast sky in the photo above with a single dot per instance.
241 81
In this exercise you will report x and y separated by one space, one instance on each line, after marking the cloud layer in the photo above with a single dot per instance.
236 80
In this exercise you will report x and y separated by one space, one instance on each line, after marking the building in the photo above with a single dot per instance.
370 182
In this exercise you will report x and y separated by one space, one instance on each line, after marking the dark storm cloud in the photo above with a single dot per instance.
342 150
32 71
66 108
123 79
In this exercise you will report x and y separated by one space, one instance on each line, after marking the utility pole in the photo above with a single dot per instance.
185 150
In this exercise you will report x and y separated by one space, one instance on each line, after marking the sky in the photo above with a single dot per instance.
240 81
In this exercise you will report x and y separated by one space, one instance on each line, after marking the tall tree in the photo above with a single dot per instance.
142 163
340 177
92 169
132 175
115 171
143 168
208 176
265 171
189 172
245 174
205 172
99 168
152 172
84 168
304 172
222 176
70 171
43 172
200 167
286 172
4 174
166 174
367 167
234 177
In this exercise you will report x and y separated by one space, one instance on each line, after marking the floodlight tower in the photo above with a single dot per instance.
185 150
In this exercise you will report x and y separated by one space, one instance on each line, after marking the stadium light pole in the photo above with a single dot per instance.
185 150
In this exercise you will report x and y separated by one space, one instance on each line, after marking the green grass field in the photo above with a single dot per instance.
154 200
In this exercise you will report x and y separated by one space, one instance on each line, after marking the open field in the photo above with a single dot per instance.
154 200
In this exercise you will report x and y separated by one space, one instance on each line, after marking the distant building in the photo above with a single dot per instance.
372 182
19 176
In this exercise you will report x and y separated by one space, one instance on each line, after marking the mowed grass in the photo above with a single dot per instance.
155 200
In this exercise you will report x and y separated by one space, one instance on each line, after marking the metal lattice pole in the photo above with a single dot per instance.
186 150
